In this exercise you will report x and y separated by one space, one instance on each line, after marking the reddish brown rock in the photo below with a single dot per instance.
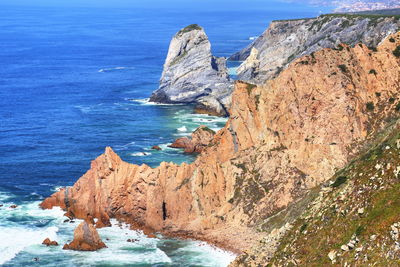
156 148
13 206
48 242
103 221
198 141
281 139
181 142
86 238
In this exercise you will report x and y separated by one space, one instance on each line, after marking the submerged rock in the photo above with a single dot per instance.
156 148
48 242
86 238
193 75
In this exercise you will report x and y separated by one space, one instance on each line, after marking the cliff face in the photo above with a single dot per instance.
193 75
281 139
285 41
352 220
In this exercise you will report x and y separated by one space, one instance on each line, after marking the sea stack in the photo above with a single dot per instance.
193 75
86 238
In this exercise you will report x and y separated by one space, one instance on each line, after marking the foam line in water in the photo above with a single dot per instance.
116 68
140 154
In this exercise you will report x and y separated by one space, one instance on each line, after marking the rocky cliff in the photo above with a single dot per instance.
193 75
351 220
281 140
285 41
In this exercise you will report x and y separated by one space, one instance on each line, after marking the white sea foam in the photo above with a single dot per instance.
116 68
146 101
57 188
124 147
140 154
143 250
202 253
21 238
182 129
253 37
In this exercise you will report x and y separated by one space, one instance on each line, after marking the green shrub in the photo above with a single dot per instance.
378 94
373 48
392 40
339 47
398 107
190 28
339 181
391 100
303 227
373 72
370 106
396 52
359 230
343 68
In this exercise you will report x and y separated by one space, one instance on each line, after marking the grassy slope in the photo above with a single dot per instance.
333 219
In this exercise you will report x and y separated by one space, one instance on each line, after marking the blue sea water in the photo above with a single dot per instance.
75 80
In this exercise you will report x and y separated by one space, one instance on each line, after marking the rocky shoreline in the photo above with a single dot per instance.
281 140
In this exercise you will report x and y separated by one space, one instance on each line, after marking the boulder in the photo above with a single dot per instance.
86 238
156 148
48 242
198 141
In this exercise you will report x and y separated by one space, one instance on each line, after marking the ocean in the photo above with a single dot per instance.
75 80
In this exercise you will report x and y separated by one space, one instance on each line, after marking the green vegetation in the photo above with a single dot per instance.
373 72
397 107
370 106
303 227
396 52
392 40
339 47
391 100
250 87
343 68
378 94
339 181
257 101
335 218
190 28
178 58
208 130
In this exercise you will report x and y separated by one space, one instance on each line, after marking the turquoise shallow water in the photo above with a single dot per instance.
73 81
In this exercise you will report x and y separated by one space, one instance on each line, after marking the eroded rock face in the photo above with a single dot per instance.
198 141
193 75
86 238
285 41
281 139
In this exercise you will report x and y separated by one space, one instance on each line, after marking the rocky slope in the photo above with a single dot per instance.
285 41
352 220
281 140
193 75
